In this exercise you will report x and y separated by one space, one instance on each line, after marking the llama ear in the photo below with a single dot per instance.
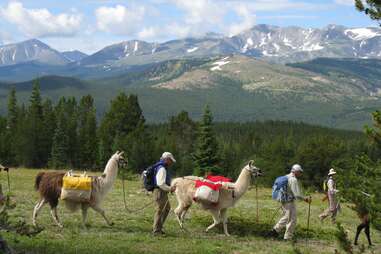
251 163
121 153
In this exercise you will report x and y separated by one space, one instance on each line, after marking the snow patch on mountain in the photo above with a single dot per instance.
219 63
192 49
312 47
249 43
136 46
358 34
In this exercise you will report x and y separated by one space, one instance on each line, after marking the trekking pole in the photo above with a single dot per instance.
308 219
275 213
256 197
124 192
9 182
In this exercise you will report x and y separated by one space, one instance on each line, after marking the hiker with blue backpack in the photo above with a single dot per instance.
157 179
286 190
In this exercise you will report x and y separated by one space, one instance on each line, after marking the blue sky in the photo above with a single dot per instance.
89 25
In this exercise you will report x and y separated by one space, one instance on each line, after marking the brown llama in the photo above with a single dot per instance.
49 185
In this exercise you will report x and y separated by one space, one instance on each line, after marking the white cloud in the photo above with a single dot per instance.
148 33
169 31
247 20
5 37
270 5
201 11
345 2
201 16
40 22
120 19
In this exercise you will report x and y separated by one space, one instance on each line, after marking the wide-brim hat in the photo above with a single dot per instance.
332 172
296 167
168 155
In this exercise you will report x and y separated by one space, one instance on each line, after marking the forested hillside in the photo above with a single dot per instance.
67 135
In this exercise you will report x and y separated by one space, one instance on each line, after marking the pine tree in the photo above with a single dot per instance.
12 110
87 133
123 128
375 133
60 146
71 114
49 126
372 8
206 155
11 128
6 157
359 184
31 151
362 178
182 132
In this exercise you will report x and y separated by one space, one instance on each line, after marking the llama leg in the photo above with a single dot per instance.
178 211
224 218
367 233
216 220
359 229
37 208
102 212
53 212
185 210
84 208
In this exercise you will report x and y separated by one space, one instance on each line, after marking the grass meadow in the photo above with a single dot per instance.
132 231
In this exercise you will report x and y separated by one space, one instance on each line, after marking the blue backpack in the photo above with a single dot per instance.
279 192
149 175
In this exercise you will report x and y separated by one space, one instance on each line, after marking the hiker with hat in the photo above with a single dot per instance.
331 195
162 183
286 190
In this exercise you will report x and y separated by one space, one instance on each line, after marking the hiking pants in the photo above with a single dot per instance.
288 220
332 209
162 209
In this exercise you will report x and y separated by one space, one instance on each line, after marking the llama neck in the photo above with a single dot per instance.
110 172
242 183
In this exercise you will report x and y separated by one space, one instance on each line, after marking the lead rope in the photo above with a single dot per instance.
125 201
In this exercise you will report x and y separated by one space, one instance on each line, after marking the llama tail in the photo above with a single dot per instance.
176 181
72 206
38 180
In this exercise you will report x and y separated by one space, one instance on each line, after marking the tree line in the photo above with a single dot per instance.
68 135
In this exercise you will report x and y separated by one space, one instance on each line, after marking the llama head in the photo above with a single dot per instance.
118 156
253 169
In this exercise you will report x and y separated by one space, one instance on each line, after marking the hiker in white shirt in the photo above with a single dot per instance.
288 219
331 194
160 193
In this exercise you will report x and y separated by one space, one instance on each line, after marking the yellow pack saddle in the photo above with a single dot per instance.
76 187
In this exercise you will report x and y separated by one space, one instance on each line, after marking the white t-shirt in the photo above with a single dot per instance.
161 175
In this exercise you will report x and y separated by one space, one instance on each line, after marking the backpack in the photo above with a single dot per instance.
325 186
279 192
149 176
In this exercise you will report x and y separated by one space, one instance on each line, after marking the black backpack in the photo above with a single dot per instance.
149 176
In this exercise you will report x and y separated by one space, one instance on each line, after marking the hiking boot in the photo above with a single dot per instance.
272 233
159 233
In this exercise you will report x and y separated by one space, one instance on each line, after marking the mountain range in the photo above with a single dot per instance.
329 76
32 58
332 92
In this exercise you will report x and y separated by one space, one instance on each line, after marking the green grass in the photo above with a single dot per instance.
132 231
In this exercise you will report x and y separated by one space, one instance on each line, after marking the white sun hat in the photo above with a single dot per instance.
332 172
168 155
296 167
